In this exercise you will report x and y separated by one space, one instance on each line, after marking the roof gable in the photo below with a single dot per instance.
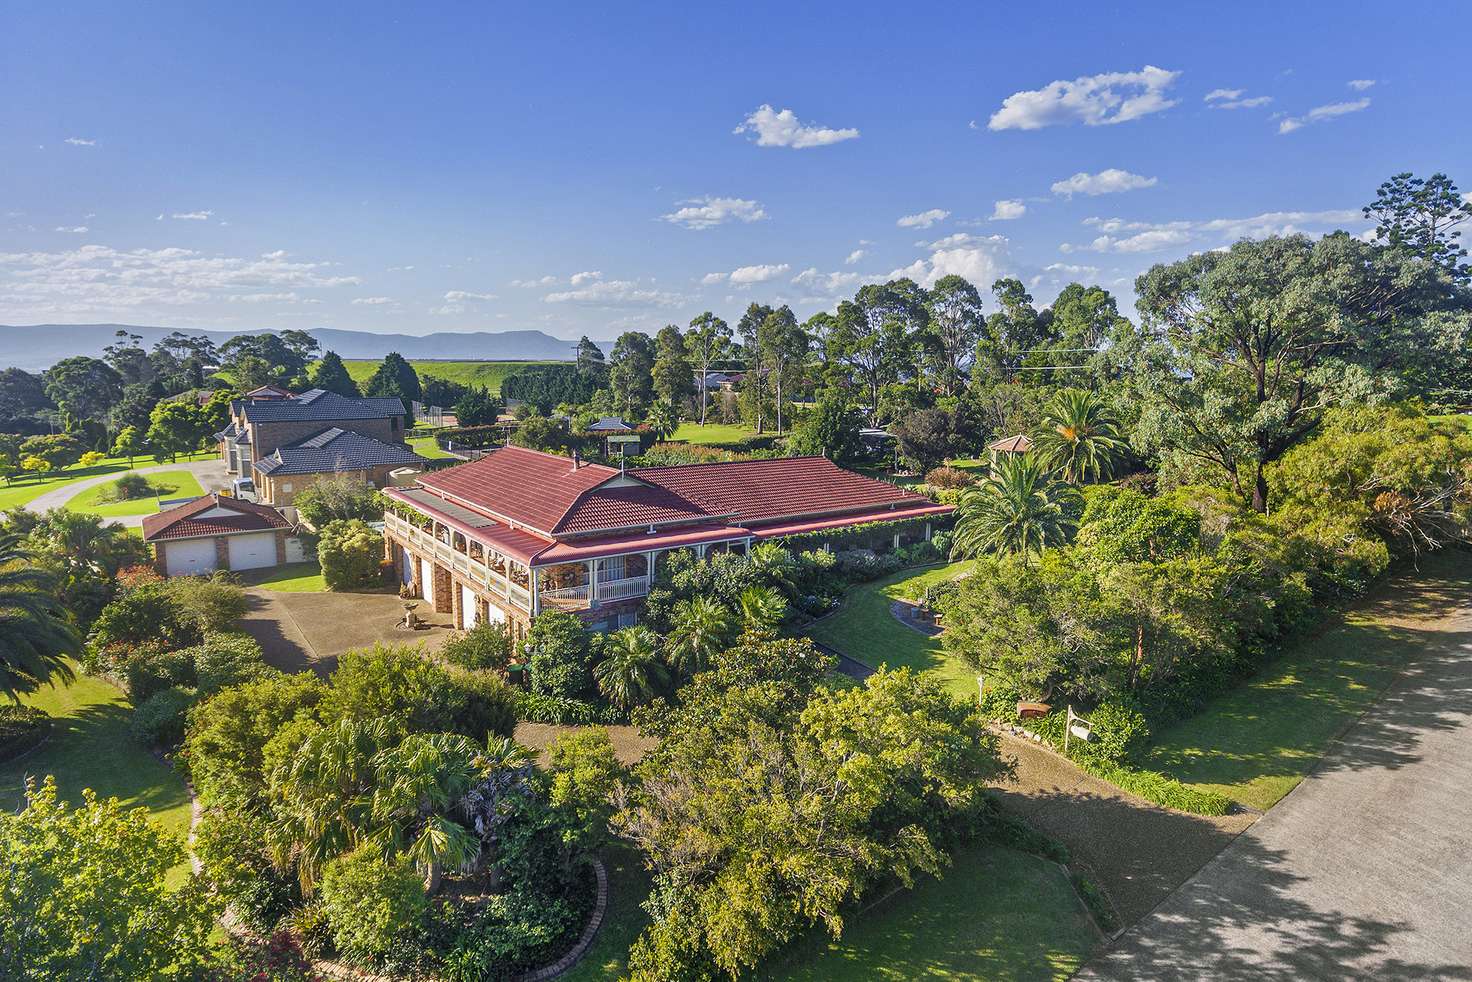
529 487
212 514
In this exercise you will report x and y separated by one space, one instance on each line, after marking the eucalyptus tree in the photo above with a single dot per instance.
784 348
1020 509
956 325
707 341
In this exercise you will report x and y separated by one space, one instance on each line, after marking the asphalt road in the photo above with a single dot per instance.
1365 869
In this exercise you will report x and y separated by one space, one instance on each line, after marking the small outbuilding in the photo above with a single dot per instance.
216 532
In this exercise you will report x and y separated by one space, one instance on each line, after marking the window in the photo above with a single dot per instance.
286 487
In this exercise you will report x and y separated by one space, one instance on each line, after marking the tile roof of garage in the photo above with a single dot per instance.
183 522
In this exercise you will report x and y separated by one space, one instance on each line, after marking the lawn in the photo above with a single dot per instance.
1255 743
24 489
425 446
628 887
865 629
996 914
167 484
713 434
289 578
90 747
489 374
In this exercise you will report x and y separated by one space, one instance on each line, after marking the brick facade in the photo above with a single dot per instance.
266 437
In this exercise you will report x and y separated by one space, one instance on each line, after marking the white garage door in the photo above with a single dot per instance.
426 580
185 557
252 551
495 615
467 605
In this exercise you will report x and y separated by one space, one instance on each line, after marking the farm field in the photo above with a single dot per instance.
489 374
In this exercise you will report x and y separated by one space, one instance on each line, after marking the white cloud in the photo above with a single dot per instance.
1358 84
288 297
831 284
587 276
372 301
924 219
76 229
399 269
1110 181
460 296
540 281
980 259
97 279
746 275
78 141
784 129
1152 240
1070 269
1121 236
1232 99
1008 209
192 216
956 240
1320 114
707 212
615 293
855 256
1094 100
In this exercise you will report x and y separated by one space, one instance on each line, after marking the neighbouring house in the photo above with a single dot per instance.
519 531
264 420
610 424
337 452
219 532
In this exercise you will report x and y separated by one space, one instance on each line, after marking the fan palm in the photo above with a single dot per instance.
418 783
774 564
663 420
701 628
630 672
762 609
1020 509
34 638
1079 437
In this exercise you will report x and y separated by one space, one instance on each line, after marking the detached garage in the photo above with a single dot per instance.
216 532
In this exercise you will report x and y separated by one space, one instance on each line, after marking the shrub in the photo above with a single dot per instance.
134 577
92 458
225 659
486 646
230 845
150 669
536 707
585 774
308 924
229 731
149 613
1119 732
160 720
21 728
485 704
396 683
127 488
371 903
509 934
559 661
281 958
947 478
215 602
339 499
349 552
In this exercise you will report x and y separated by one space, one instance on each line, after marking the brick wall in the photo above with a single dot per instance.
266 437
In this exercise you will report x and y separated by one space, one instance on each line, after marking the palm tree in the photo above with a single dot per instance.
1020 509
84 539
774 564
417 785
701 628
663 420
34 638
630 672
762 609
1079 437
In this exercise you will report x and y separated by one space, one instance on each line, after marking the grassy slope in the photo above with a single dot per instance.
24 488
290 578
865 629
480 373
712 434
90 747
1256 742
168 484
425 446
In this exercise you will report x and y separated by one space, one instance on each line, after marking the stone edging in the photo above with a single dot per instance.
585 941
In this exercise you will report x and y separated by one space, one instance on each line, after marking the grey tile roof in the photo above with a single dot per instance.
336 450
320 405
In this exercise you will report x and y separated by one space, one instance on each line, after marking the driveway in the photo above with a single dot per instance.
210 474
300 631
1365 869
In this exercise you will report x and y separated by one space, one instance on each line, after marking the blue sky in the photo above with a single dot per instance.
596 168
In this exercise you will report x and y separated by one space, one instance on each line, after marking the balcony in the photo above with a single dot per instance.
469 569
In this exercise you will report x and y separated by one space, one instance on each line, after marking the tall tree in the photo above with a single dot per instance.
1242 352
784 348
396 377
1014 332
956 324
872 336
1019 510
590 364
754 382
22 396
632 374
285 357
83 388
35 638
128 358
1079 437
1085 321
673 378
708 341
1421 215
331 374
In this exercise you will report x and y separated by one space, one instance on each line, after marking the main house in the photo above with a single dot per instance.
518 531
285 442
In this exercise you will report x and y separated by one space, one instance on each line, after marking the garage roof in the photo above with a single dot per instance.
192 520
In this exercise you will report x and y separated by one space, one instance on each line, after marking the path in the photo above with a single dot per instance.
1361 871
210 474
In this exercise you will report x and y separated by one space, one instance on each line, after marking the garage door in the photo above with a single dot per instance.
185 557
252 551
467 605
426 580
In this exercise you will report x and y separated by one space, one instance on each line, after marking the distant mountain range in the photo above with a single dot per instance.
38 346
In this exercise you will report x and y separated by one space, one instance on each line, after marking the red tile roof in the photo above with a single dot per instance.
528 487
790 487
817 525
606 508
182 522
581 550
519 545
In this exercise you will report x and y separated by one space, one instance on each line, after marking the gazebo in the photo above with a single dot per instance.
1011 444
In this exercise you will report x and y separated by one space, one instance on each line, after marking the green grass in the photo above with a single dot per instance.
865 629
425 446
24 489
713 434
996 914
489 374
289 578
1255 743
628 886
90 747
167 484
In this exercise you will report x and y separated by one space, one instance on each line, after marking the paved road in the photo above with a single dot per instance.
1365 869
210 474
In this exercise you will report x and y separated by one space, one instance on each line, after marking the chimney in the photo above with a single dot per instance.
577 459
